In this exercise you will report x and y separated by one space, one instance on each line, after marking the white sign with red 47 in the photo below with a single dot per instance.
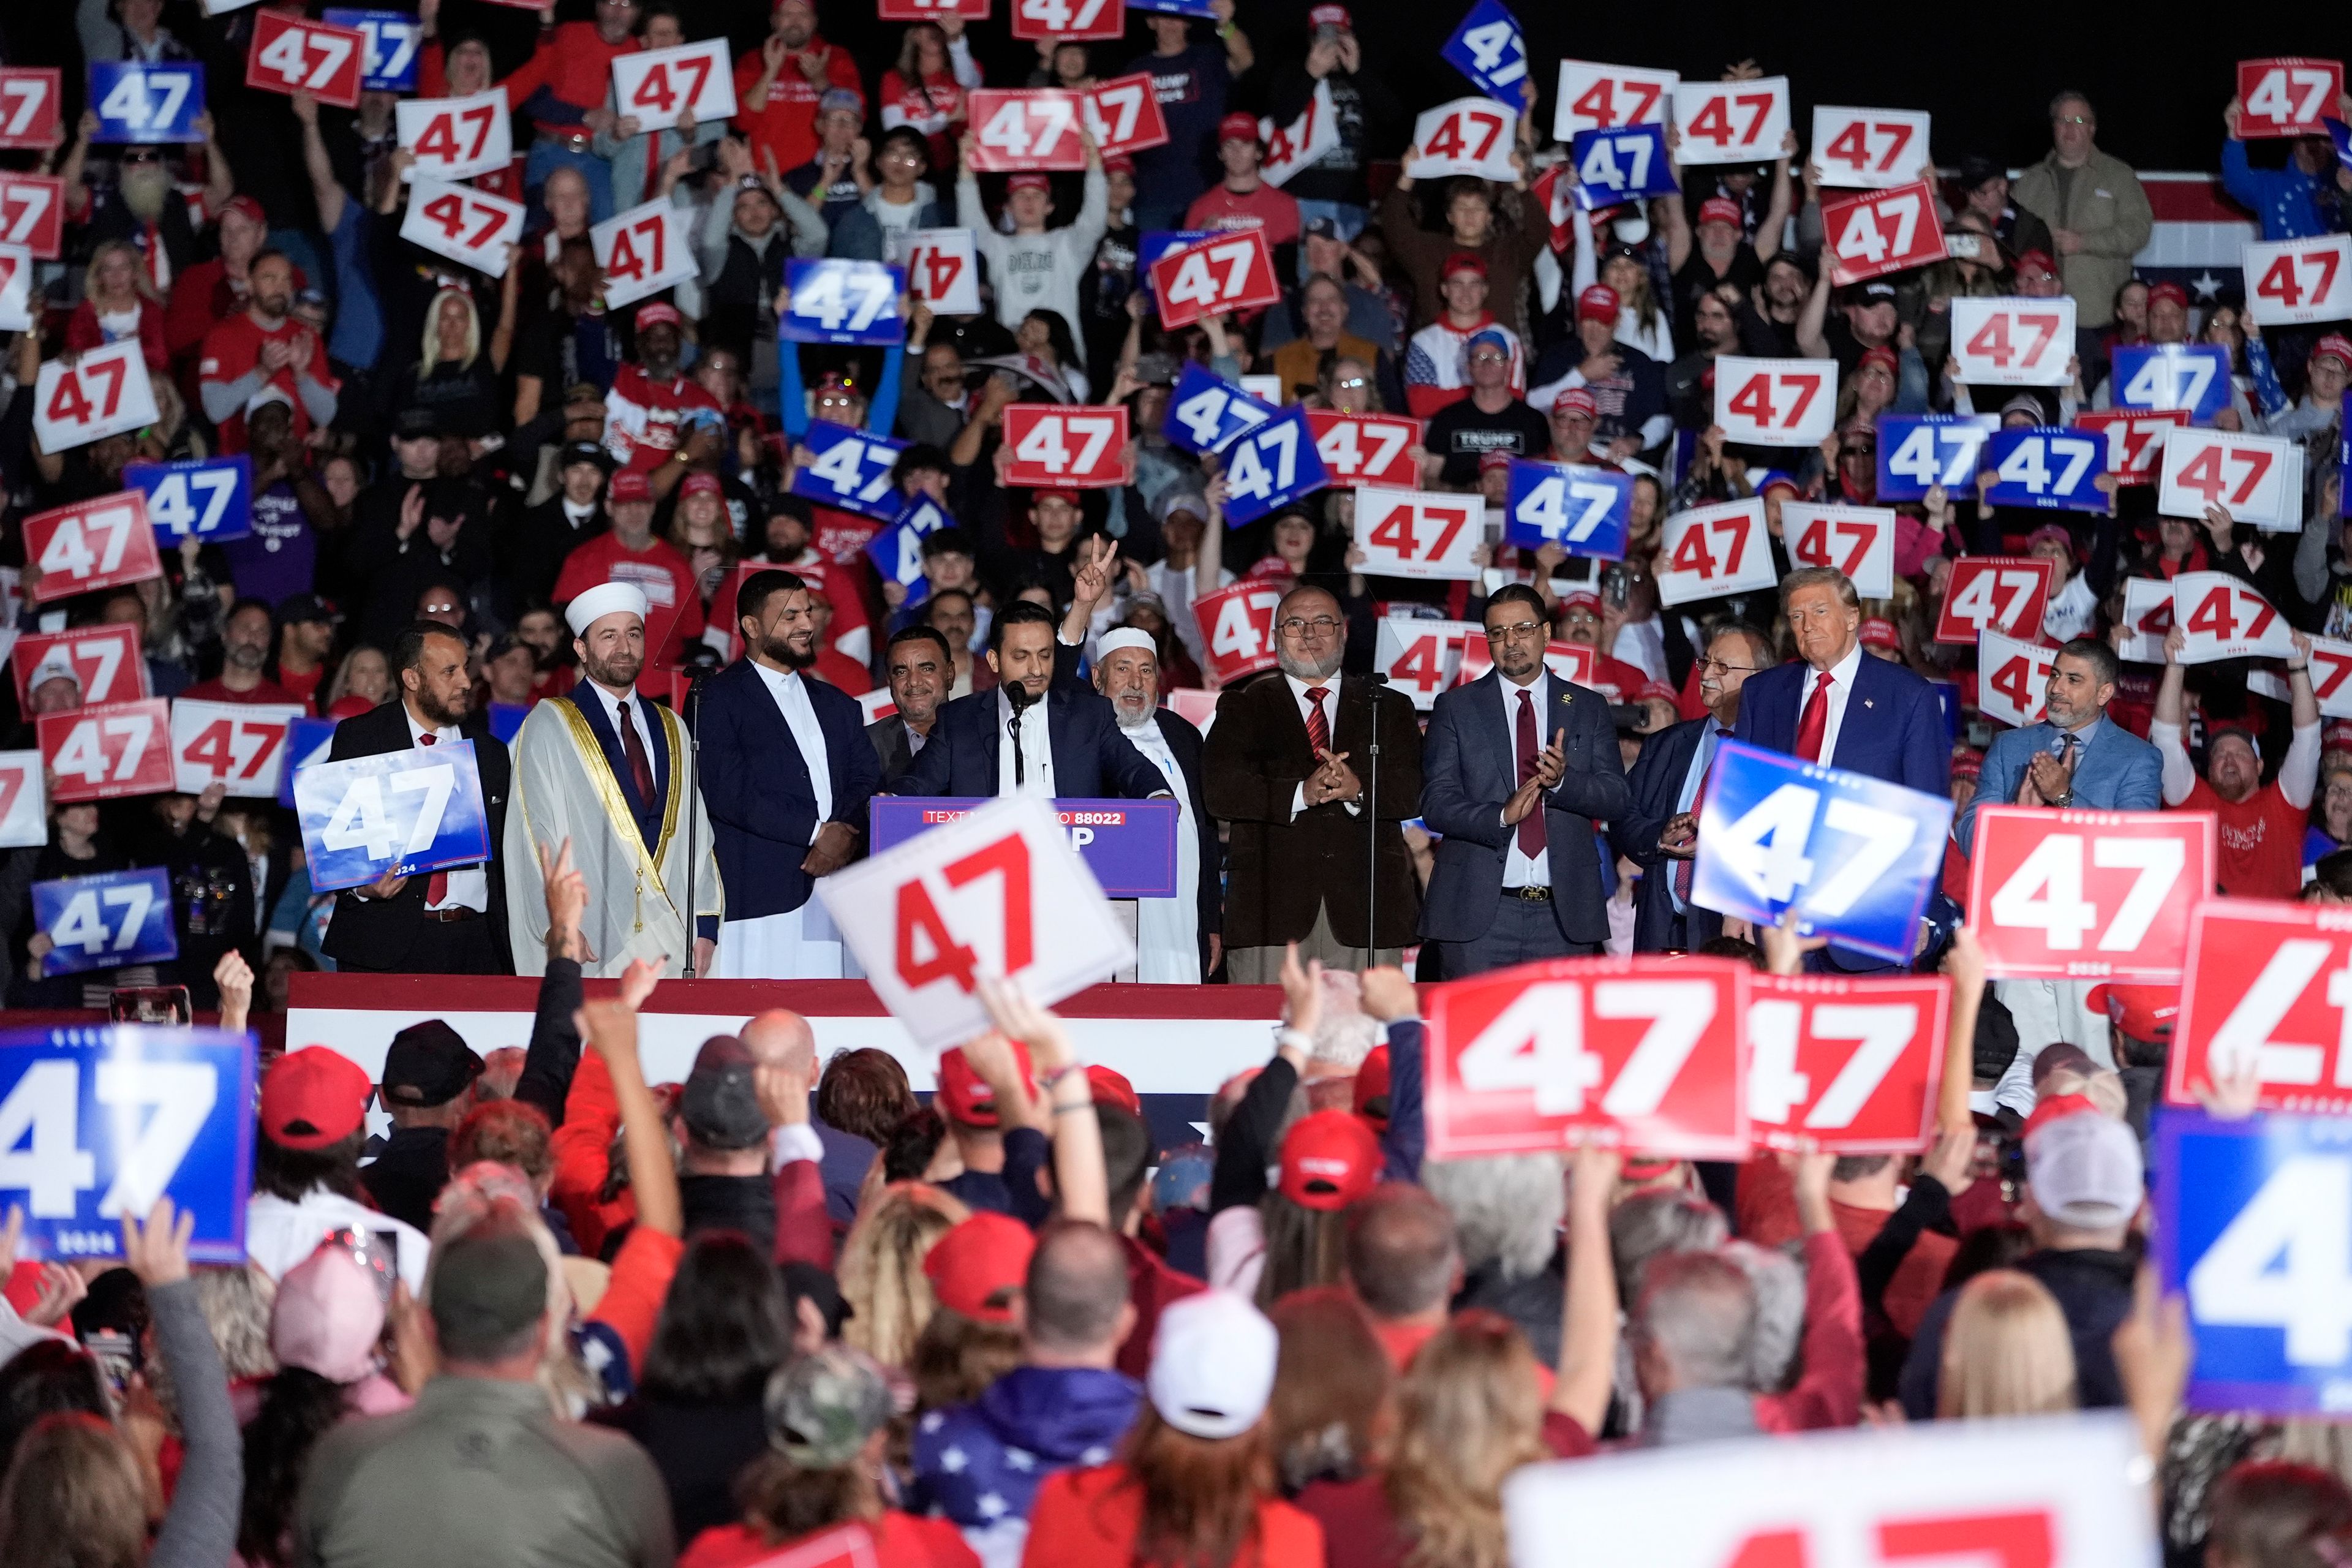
2013 343
1858 541
1596 97
643 251
463 224
1775 402
455 138
99 753
102 393
2005 593
2051 1492
2147 621
2080 895
2013 679
1471 136
1712 551
943 269
1050 443
2220 617
999 894
2268 984
2255 478
1068 18
1212 277
16 289
2290 283
1871 148
1883 231
1418 534
24 801
2331 677
1731 121
238 745
1422 658
1367 449
657 87
92 544
1850 1063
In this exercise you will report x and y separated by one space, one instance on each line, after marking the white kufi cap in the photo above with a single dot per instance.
1110 643
605 599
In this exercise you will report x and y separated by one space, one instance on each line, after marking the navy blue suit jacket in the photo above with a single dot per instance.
1893 728
1656 782
756 783
1091 759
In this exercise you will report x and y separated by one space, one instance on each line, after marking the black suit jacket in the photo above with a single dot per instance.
1185 743
1657 781
1091 759
383 929
892 748
757 788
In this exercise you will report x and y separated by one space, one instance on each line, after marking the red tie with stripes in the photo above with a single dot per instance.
1319 729
436 886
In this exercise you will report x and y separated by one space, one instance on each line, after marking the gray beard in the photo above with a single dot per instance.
1299 669
143 190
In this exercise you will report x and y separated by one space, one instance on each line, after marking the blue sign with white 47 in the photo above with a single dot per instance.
897 551
1917 452
1583 510
137 103
1207 411
106 921
838 301
2254 1229
2195 376
1270 465
1622 163
1855 857
392 37
851 471
307 741
1490 48
2053 466
401 812
95 1122
212 499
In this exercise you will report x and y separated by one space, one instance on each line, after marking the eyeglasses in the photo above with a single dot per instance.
2070 120
1490 357
1296 626
1517 629
1352 381
1720 667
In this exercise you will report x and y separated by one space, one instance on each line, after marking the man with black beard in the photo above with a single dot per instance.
786 772
262 347
452 920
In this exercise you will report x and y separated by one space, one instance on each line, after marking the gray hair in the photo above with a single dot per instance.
1650 1225
1345 1034
1819 577
1698 1312
2105 668
1778 1283
1505 1209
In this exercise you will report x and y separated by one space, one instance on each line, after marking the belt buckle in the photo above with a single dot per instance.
1534 893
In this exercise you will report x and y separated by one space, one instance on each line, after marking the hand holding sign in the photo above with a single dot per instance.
392 815
1843 1065
656 88
104 393
455 138
2256 478
105 921
462 222
943 270
1732 121
1471 136
2218 616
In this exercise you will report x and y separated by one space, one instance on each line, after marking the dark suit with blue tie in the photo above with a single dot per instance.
758 790
1092 760
1661 786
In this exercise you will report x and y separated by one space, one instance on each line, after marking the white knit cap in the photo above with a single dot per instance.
1110 643
605 599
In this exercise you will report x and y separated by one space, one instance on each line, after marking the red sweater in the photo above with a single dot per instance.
84 333
574 66
1083 1519
787 125
895 1541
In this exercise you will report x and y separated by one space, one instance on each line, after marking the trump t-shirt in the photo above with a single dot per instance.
2260 840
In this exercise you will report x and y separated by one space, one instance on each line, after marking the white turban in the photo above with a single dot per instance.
605 599
1110 643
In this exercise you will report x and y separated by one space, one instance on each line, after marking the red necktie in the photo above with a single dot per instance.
1531 825
436 886
1813 725
1319 729
633 747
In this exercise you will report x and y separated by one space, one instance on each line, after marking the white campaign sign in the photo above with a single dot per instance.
1597 97
1859 541
1716 550
2147 614
1418 534
2331 677
644 250
1302 143
2220 617
998 893
463 224
2013 343
455 138
1423 658
943 269
1776 402
1870 148
2013 679
24 801
655 87
16 289
2257 479
1467 136
103 392
2292 282
239 744
1731 121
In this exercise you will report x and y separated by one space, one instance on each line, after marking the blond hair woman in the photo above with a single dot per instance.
2006 1350
882 1268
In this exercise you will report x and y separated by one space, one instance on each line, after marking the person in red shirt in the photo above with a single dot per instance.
209 293
119 303
630 553
1578 619
305 636
778 86
1242 200
2261 825
653 402
564 87
263 347
244 647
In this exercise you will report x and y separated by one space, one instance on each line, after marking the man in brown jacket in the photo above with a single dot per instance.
1288 768
2098 213
1508 242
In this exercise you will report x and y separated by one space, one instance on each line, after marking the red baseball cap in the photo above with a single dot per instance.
2039 260
1719 209
1576 400
975 1268
1111 1088
2057 1106
1877 631
1330 17
1027 183
1330 1159
1372 1084
2143 1012
1118 164
1056 493
1497 459
1238 128
312 1098
246 208
1462 262
1881 356
700 485
2172 291
965 1096
2335 347
1598 303
659 313
629 484
1967 762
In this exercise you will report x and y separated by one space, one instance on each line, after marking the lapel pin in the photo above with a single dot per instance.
1867 702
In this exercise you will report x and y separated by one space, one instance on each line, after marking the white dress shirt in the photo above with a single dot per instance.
1168 930
1842 675
800 717
1331 722
646 731
1036 772
469 886
1521 869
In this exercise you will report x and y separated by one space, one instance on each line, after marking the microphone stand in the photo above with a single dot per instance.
1372 828
693 717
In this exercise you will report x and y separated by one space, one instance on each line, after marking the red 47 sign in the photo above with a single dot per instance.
1367 449
932 10
1716 550
1858 541
1237 628
2290 283
996 895
1639 1054
2290 97
1417 533
2270 985
107 663
2004 594
1051 444
1212 277
2331 675
291 55
1422 658
98 754
1868 147
2256 478
2135 438
1775 402
33 214
92 544
1024 130
1883 231
1068 18
2013 343
1124 115
2013 679
102 393
1850 1063
28 107
1596 97
2080 894
2220 617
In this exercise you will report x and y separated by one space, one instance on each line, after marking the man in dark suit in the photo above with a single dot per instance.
1178 940
1839 706
1517 769
1288 764
920 667
786 774
452 921
1035 735
1661 833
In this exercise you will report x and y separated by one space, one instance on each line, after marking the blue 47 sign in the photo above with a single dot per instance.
1583 510
143 103
2255 1227
106 921
1622 163
307 741
838 302
1490 48
1270 465
2047 466
392 37
898 551
98 1122
212 499
851 471
1917 452
2194 376
1208 411
402 812
1855 857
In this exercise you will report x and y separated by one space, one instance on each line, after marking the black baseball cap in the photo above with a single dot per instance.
416 425
718 1104
428 1064
584 452
297 608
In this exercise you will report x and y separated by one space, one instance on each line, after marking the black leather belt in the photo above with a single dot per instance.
1530 894
454 912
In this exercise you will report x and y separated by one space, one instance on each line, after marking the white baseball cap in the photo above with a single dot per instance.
2084 1170
1212 1364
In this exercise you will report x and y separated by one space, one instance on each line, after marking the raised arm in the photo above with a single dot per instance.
2298 773
1810 341
611 1026
1588 1319
2163 730
325 189
1080 1177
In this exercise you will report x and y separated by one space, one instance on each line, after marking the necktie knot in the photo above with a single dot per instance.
427 739
1823 683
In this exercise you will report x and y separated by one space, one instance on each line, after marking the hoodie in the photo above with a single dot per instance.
981 1464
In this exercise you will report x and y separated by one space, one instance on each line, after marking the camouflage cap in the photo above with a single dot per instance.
823 1406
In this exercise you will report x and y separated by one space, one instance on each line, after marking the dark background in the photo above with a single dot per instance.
1985 75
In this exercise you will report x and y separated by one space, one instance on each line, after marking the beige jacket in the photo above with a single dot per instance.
2109 210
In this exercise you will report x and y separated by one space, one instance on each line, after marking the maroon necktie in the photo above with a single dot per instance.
633 746
1319 729
436 887
1814 724
1531 825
